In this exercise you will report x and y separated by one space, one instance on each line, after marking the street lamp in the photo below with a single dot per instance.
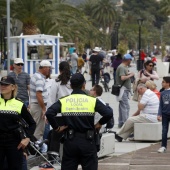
117 25
139 61
113 39
4 22
1 36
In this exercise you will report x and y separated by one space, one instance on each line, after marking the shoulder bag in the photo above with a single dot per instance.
116 89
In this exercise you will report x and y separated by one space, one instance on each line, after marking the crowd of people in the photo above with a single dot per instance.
75 113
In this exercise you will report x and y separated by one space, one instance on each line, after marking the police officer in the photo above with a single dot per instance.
12 142
78 111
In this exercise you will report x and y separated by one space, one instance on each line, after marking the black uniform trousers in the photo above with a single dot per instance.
79 150
9 151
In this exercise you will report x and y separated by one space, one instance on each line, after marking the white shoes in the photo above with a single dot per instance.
162 150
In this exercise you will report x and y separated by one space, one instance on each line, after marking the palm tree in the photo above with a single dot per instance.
104 14
165 7
35 13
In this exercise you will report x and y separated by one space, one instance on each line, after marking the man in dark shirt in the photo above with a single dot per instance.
94 63
22 80
78 112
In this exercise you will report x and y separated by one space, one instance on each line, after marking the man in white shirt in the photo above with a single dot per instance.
97 91
146 113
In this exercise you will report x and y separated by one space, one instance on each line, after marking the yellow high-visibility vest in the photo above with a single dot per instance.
12 106
78 104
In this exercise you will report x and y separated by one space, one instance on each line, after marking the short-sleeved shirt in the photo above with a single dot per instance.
22 80
38 83
74 58
95 61
151 102
122 70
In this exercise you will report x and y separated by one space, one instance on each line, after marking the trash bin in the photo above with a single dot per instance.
139 64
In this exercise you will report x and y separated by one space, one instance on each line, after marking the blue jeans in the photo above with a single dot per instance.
46 131
165 127
74 69
124 108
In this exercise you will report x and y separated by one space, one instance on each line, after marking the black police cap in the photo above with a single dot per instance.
7 80
77 79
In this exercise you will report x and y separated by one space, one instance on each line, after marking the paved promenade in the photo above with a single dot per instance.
131 155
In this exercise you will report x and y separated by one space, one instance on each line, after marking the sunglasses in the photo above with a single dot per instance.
19 64
151 65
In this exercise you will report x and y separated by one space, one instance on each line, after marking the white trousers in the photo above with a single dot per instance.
128 126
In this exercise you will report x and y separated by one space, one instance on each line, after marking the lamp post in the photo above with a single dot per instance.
4 22
117 25
1 36
113 39
139 61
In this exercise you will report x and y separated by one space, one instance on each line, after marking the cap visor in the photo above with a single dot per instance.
1 82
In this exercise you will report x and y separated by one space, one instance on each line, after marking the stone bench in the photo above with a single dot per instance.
107 144
148 131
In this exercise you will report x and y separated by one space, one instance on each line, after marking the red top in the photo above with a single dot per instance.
142 55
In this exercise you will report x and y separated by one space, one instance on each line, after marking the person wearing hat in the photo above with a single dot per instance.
94 63
39 97
12 111
123 78
22 80
78 110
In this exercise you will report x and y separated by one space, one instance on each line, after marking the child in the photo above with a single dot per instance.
163 113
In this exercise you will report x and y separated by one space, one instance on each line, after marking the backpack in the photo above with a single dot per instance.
106 77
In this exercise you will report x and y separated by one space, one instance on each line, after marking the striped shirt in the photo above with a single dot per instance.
37 83
151 102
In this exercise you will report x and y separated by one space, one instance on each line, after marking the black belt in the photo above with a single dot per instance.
88 135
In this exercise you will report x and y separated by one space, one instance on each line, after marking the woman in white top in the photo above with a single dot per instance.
59 88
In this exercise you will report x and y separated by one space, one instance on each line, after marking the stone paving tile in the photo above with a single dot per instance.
142 159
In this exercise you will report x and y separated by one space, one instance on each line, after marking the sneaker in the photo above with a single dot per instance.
45 166
162 150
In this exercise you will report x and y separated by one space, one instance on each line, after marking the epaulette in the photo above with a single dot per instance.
19 99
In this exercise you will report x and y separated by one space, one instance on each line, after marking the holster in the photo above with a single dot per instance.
20 133
97 140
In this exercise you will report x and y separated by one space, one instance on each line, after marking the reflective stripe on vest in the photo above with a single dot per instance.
10 106
78 104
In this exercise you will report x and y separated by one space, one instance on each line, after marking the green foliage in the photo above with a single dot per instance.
165 7
139 8
122 47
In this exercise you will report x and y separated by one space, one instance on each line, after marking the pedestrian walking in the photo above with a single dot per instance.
78 111
123 78
74 61
94 63
22 79
12 139
163 113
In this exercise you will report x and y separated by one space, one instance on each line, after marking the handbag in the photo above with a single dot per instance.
116 89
